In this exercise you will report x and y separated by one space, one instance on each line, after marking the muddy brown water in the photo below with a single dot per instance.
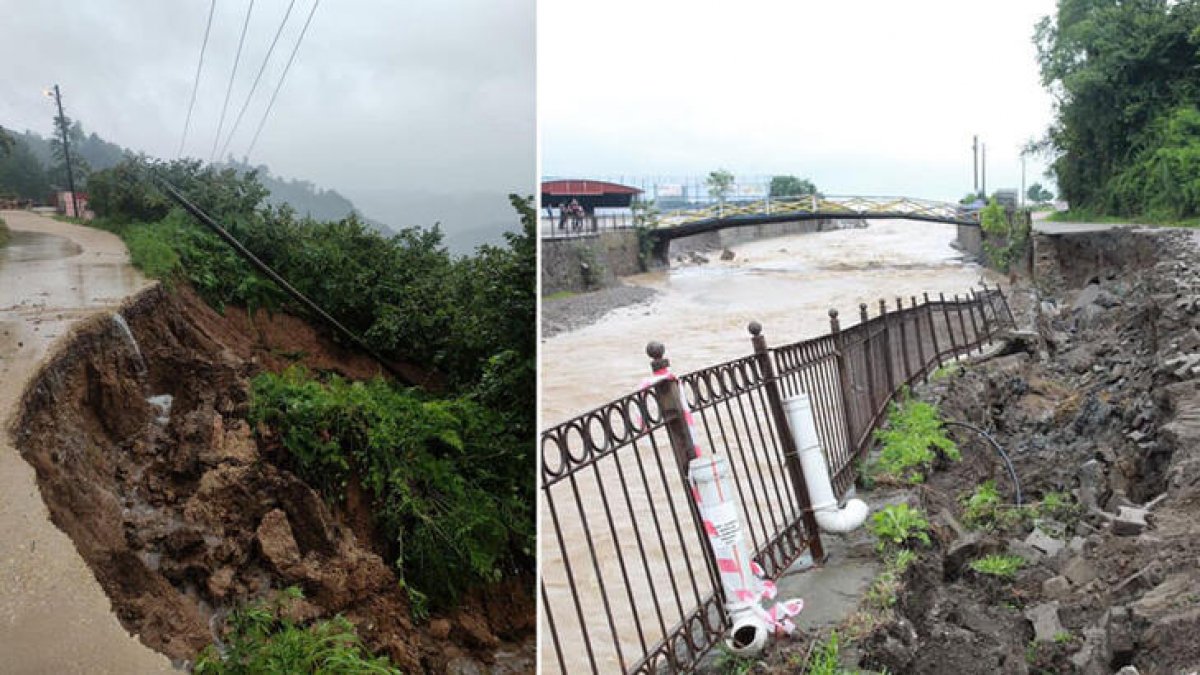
701 314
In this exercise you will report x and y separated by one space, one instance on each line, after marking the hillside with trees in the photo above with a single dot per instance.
1125 140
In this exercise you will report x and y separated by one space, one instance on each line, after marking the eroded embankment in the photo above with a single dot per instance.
137 430
1105 405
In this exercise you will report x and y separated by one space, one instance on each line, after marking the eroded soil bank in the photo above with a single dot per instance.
1102 401
137 431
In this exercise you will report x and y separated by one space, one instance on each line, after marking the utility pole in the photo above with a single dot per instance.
975 165
62 127
983 165
1022 179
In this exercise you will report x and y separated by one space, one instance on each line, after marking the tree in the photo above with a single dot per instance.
1038 194
79 166
7 143
1121 72
791 186
720 182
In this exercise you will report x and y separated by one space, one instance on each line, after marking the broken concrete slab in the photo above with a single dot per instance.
1056 587
1045 543
1044 618
1130 521
1079 571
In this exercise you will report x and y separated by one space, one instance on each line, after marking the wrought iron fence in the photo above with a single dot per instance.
628 583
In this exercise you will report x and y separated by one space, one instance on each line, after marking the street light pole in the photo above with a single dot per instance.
62 125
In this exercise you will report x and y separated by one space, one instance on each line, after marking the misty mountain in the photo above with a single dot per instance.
467 220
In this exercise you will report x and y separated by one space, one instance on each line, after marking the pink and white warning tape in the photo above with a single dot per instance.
743 579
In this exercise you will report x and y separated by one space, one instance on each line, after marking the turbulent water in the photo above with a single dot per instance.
701 313
786 283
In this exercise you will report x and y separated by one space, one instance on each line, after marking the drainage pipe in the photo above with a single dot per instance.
829 517
742 582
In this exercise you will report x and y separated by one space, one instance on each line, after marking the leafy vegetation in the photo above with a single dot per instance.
720 183
263 640
791 186
449 475
896 525
911 441
985 509
1037 194
645 220
883 590
1007 234
996 565
826 658
1126 136
449 489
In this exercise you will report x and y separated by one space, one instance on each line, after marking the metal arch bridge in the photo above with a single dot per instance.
688 222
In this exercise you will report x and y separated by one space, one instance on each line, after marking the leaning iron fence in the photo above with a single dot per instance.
628 583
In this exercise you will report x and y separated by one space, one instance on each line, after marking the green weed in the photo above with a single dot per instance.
912 440
825 658
897 524
263 640
1002 566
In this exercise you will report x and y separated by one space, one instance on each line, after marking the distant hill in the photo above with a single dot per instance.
467 219
29 172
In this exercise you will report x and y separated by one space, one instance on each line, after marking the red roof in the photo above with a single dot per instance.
579 188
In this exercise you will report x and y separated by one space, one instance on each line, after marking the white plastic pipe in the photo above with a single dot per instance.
829 517
718 509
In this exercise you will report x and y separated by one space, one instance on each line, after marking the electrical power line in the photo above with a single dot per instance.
196 86
282 77
263 67
229 89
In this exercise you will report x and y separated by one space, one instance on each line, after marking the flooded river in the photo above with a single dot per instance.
700 313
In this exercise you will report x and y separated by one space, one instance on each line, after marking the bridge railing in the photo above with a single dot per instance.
627 581
826 205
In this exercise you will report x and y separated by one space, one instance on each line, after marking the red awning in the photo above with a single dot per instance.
580 188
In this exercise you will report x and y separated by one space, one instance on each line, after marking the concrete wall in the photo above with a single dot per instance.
606 256
970 240
732 236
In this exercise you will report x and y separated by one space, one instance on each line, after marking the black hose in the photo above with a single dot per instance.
1000 451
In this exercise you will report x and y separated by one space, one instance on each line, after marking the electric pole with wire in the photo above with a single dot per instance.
61 123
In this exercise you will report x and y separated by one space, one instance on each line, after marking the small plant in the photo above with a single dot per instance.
1059 506
1002 566
897 524
729 663
825 658
912 440
984 509
947 371
263 640
1062 637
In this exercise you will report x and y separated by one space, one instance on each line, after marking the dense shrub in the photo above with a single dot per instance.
449 491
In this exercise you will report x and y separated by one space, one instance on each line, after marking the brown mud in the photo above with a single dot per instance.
1102 402
137 430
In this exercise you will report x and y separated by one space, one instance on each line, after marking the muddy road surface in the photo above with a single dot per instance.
54 616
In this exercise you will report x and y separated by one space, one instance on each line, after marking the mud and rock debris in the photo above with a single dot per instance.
1104 405
183 517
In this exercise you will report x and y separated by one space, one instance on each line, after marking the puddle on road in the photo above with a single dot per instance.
34 246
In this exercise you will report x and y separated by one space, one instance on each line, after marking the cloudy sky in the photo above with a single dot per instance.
417 111
863 96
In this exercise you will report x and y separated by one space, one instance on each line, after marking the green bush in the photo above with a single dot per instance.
262 640
897 524
911 440
449 492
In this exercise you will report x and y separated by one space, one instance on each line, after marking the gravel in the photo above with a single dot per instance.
563 314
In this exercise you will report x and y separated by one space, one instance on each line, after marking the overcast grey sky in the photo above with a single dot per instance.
416 111
862 96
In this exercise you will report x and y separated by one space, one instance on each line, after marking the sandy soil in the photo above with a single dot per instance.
54 617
